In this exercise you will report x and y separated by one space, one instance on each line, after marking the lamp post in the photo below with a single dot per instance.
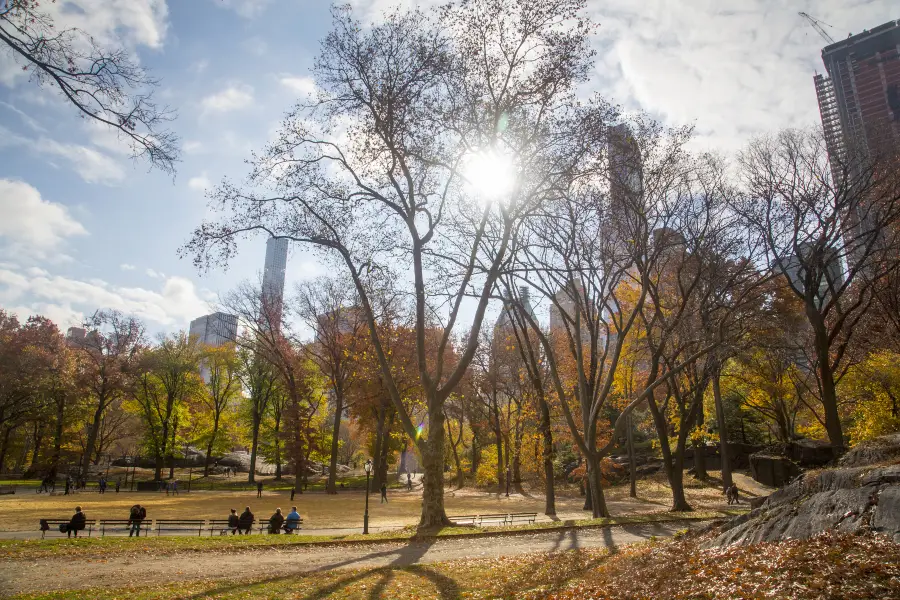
366 515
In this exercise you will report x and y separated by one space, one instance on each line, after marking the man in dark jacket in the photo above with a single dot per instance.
259 489
233 521
276 521
245 521
135 519
76 523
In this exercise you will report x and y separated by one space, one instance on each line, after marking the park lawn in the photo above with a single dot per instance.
828 566
118 546
21 512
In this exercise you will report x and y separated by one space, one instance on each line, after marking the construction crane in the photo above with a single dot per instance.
817 25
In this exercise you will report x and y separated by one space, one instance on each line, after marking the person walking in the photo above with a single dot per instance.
276 521
175 488
259 489
245 521
76 523
118 483
135 518
234 522
384 493
68 485
293 491
408 482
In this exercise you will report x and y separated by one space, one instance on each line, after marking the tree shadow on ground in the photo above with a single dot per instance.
404 556
554 571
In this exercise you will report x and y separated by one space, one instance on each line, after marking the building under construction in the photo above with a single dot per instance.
859 100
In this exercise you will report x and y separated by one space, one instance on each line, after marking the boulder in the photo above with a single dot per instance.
771 470
848 499
810 453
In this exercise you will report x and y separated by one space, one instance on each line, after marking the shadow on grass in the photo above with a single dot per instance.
405 556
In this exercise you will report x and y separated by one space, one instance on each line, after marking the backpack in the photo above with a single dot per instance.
135 513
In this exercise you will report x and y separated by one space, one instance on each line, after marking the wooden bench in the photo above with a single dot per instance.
123 525
264 526
522 518
52 525
220 525
465 519
180 526
498 519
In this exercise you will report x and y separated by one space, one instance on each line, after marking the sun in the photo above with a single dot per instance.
489 174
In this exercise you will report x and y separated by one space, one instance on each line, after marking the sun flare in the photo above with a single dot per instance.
489 174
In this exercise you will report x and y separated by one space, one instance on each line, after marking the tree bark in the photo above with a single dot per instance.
331 486
432 450
826 377
251 477
57 439
700 447
547 437
93 430
209 447
723 429
598 500
376 451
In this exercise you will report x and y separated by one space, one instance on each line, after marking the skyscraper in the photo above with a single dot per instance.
215 329
273 278
859 101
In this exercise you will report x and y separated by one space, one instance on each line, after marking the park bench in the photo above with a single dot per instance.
180 526
498 519
218 526
522 518
465 519
123 525
264 526
52 526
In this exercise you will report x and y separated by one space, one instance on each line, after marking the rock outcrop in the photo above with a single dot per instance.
861 494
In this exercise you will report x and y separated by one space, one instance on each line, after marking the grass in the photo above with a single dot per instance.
828 566
117 546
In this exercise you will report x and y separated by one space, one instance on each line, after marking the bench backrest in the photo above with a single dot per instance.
179 522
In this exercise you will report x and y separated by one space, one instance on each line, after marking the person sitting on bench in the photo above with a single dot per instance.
234 521
76 523
245 521
293 520
276 521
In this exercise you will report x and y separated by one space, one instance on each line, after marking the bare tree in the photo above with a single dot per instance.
329 308
108 354
830 229
373 173
105 85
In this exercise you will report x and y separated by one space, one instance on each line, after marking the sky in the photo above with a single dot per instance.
83 227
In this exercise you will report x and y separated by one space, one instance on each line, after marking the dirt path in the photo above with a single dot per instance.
19 576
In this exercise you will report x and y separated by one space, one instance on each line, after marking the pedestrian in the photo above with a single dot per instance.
118 483
276 521
68 485
293 491
408 481
76 523
245 521
293 521
135 518
175 488
101 485
259 489
383 493
168 486
233 521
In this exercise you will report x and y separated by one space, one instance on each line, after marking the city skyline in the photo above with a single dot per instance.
86 229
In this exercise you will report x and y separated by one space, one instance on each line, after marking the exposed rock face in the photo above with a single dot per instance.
849 499
774 471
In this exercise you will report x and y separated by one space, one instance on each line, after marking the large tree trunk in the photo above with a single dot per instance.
172 450
209 447
826 376
547 436
498 442
251 477
277 449
331 486
674 467
376 451
93 430
460 476
723 429
432 450
382 463
517 453
598 500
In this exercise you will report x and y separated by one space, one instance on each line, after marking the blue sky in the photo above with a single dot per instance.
82 227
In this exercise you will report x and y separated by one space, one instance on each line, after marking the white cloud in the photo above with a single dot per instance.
193 147
199 66
90 164
66 300
233 97
127 267
303 86
200 183
33 226
256 46
155 274
245 8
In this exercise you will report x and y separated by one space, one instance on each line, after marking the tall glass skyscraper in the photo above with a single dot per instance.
273 278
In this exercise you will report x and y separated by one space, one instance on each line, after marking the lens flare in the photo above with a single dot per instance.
489 174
